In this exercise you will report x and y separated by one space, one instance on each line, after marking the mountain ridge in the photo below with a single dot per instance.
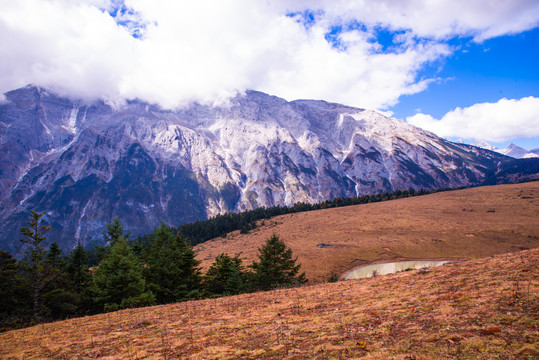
84 163
512 150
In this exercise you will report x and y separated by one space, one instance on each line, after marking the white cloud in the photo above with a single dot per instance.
482 19
209 50
494 122
67 47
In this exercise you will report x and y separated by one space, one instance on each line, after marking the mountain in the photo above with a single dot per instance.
485 145
526 169
512 150
84 163
517 152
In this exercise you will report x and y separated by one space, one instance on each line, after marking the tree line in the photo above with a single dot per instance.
47 285
218 226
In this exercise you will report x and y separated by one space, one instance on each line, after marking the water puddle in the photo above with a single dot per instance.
392 267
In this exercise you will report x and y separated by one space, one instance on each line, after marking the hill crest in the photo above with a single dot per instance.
459 224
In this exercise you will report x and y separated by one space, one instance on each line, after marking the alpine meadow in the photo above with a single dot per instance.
245 179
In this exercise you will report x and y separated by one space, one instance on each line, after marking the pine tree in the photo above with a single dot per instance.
59 299
54 257
118 282
77 269
36 272
275 266
225 276
171 270
80 279
8 285
115 230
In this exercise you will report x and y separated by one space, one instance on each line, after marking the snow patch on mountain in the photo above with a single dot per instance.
512 150
85 163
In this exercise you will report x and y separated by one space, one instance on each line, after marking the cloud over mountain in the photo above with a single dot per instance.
174 52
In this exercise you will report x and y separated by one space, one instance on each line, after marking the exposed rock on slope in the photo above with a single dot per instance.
85 163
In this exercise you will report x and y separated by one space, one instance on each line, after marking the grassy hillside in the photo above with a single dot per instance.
477 309
483 308
462 224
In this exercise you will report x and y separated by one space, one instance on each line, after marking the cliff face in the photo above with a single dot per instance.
83 164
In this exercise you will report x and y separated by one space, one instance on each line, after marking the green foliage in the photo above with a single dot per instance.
275 266
36 273
59 300
80 279
171 270
118 280
333 278
77 269
8 284
95 253
54 256
115 231
225 276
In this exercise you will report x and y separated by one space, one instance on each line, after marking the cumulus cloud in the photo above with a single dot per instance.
171 52
495 122
441 19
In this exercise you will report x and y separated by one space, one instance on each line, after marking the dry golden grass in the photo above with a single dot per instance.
485 308
477 309
463 224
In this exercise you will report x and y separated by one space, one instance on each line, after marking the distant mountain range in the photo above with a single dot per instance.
512 150
84 163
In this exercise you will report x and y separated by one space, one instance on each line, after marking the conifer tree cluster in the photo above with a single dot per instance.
220 225
48 285
157 268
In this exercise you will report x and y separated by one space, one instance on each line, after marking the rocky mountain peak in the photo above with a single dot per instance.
85 163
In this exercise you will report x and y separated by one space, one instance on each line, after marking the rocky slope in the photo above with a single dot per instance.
85 163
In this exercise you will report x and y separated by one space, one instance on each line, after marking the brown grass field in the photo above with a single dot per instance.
483 308
462 224
477 309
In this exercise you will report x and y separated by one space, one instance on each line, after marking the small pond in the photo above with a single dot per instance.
390 268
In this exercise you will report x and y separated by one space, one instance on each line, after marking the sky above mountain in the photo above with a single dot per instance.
464 69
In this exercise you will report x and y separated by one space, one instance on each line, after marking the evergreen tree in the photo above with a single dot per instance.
171 270
36 272
77 269
275 266
96 253
115 231
80 278
8 286
59 299
118 282
225 276
54 257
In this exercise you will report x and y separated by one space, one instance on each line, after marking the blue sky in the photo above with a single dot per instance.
463 69
505 66
502 67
